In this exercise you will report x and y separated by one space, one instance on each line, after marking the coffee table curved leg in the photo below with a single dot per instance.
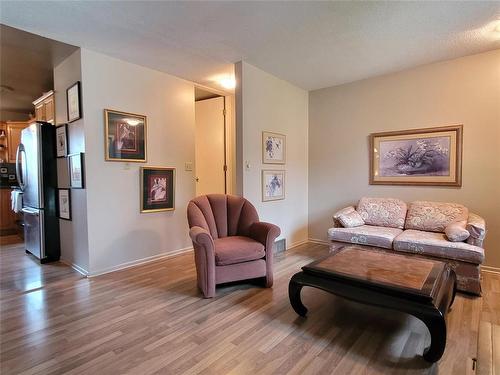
436 325
294 289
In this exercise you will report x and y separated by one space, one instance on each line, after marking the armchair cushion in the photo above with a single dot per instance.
237 249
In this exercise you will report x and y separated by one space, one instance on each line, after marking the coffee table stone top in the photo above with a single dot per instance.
387 270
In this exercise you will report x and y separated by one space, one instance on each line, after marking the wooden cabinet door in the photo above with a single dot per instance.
14 138
7 216
49 109
40 112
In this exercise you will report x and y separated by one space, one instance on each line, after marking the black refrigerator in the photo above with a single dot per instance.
36 171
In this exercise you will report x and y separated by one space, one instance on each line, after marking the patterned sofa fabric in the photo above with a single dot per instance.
382 212
437 245
365 235
352 219
434 216
476 226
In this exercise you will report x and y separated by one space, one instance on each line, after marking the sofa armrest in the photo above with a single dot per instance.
476 226
265 233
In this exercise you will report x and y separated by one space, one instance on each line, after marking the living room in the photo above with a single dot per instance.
137 302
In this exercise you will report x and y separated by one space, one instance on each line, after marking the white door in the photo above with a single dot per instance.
209 146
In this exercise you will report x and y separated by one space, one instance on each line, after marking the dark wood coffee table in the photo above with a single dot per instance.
421 287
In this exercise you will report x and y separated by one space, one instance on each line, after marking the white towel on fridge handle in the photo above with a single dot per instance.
16 199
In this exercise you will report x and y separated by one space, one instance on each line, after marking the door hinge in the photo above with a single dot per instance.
224 112
225 168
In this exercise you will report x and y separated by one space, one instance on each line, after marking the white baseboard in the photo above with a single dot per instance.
139 262
76 267
490 269
318 241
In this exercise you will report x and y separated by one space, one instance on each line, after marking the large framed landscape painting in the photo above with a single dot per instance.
157 189
126 135
430 156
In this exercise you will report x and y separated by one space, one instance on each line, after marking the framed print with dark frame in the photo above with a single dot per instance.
273 185
273 148
75 170
64 204
74 102
157 189
126 136
429 156
62 141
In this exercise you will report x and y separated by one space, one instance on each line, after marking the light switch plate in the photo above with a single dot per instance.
188 166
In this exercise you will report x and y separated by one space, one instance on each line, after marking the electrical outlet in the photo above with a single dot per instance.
188 166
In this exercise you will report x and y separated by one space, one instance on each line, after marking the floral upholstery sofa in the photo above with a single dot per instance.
445 231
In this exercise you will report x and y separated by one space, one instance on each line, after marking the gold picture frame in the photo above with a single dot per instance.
426 157
118 124
152 181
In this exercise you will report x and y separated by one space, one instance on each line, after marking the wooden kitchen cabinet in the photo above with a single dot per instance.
45 108
7 216
14 129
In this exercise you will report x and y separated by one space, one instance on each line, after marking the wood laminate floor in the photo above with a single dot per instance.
152 320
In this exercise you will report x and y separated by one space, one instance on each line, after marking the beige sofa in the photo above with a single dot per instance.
445 231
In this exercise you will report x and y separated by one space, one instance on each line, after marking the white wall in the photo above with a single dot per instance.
266 103
118 233
74 234
462 91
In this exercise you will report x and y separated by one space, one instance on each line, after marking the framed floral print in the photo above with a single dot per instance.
75 170
74 102
273 148
429 156
157 189
126 135
273 185
62 141
64 204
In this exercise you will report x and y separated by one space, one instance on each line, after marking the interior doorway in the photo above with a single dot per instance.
214 142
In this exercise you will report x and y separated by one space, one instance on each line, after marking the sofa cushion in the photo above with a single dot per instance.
351 219
436 245
383 212
456 231
237 249
434 216
365 235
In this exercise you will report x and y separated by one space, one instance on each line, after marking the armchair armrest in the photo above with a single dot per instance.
264 232
201 237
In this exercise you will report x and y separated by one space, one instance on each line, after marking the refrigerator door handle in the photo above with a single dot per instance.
20 172
30 211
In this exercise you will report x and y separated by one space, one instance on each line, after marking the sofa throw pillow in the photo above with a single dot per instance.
343 211
456 231
351 219
434 216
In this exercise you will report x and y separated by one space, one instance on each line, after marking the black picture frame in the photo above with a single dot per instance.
66 141
118 124
74 89
157 189
76 159
67 217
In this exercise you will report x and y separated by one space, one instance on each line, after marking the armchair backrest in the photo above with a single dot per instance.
222 215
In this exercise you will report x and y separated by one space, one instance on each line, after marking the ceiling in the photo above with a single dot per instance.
311 44
26 70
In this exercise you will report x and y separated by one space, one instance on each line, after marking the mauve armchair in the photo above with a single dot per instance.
230 243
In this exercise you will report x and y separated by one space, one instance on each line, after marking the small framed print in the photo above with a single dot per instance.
429 156
157 189
273 185
75 169
273 148
64 204
62 141
73 102
126 135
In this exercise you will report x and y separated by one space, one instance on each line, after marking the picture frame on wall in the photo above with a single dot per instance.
64 204
157 189
62 141
75 170
273 185
428 156
125 136
273 148
73 102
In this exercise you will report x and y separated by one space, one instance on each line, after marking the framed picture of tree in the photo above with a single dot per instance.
430 156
